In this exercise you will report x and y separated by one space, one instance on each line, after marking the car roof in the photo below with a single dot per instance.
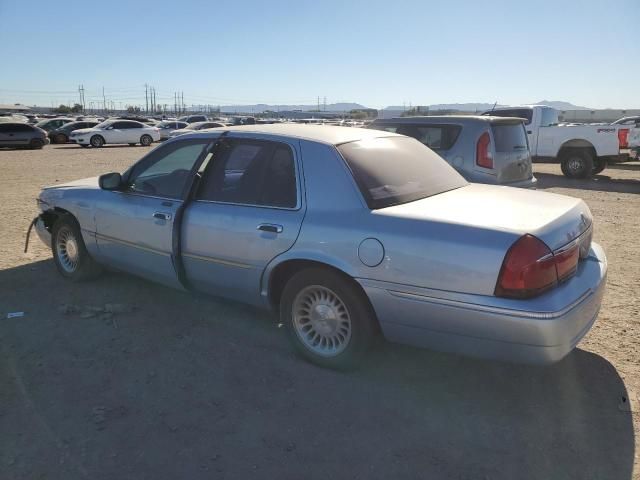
334 135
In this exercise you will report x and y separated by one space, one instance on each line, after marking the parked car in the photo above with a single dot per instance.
344 232
195 126
582 150
61 134
168 126
193 118
482 149
53 123
115 131
19 134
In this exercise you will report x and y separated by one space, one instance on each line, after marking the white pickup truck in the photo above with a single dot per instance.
583 150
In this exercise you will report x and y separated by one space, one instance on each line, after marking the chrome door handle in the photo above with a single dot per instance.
162 216
270 227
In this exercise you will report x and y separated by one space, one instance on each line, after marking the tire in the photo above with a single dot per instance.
146 140
36 144
61 138
96 141
577 164
599 165
70 253
330 321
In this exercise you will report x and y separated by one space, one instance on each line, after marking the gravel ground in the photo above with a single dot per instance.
192 387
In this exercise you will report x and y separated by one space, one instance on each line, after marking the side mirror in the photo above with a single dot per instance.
110 128
110 181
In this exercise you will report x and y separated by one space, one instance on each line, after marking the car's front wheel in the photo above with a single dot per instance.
96 141
146 140
36 144
61 138
69 251
329 319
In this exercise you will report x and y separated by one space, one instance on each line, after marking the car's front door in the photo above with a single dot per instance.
248 209
134 226
12 134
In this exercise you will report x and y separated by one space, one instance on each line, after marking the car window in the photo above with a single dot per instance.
165 171
20 128
509 138
252 173
394 170
127 125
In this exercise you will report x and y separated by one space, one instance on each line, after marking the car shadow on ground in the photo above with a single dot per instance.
188 386
601 182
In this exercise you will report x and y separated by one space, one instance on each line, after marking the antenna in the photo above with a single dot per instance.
494 106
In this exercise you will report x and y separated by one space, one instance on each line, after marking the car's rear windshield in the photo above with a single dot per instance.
509 138
437 137
394 170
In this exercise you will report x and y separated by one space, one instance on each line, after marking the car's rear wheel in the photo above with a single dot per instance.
329 319
61 138
36 144
69 251
146 140
599 165
577 164
96 141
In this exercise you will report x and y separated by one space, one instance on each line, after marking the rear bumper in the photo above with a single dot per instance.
542 330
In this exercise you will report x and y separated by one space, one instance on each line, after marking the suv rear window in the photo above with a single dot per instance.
437 137
394 170
509 138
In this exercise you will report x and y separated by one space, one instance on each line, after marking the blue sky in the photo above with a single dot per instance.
376 53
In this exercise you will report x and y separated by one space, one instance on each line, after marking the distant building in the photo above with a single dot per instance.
14 108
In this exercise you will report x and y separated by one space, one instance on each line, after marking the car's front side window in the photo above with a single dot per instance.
258 173
165 171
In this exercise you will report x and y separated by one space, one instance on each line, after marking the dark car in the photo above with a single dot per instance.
53 123
193 118
14 134
61 134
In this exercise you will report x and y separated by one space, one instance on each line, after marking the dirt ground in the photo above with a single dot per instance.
192 387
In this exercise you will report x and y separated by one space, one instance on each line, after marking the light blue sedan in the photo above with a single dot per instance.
346 233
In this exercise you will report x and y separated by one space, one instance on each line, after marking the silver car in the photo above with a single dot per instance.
345 233
483 149
167 127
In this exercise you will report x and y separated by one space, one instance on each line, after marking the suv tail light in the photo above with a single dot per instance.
483 151
623 138
531 268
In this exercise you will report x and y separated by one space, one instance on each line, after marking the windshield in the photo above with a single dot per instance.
394 170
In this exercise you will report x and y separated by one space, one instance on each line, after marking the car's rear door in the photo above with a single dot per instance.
134 227
9 136
248 209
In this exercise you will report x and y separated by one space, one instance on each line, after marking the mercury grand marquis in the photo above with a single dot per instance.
346 233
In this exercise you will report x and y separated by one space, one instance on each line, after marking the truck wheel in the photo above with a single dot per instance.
599 165
577 164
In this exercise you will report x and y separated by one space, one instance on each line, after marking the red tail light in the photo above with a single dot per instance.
623 138
528 269
483 151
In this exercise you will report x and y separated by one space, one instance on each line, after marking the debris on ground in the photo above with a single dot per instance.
15 314
106 313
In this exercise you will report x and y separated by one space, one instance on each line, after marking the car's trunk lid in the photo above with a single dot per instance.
554 219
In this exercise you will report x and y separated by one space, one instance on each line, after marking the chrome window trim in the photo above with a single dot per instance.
297 208
136 194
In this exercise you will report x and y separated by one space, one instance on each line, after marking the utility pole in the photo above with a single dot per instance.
146 98
318 103
325 104
182 102
104 101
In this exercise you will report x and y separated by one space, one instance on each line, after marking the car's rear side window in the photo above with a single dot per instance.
509 138
394 170
436 137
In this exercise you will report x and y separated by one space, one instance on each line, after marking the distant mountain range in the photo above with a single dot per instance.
348 106
263 107
478 107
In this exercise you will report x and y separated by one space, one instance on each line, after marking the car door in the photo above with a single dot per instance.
248 209
9 135
132 131
134 226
